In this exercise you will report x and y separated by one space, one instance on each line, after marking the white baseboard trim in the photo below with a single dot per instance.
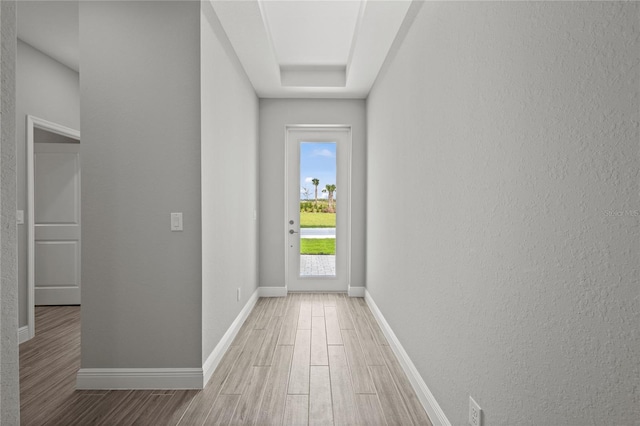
165 378
216 355
356 291
23 334
272 291
425 396
139 378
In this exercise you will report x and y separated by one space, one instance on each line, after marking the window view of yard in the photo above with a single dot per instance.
317 220
318 246
317 198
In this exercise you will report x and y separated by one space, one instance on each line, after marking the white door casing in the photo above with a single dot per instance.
294 136
53 215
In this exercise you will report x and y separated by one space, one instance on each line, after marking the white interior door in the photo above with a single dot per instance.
317 240
57 223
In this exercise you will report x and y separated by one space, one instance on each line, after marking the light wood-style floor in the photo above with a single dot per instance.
317 359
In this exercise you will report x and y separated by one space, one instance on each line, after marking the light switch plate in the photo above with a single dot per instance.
176 221
20 217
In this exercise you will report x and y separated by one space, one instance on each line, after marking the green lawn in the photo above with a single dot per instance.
317 220
317 246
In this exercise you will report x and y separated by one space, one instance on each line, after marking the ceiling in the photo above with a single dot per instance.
290 48
52 28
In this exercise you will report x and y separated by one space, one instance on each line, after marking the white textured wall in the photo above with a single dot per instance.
49 90
229 182
500 138
140 98
9 377
275 114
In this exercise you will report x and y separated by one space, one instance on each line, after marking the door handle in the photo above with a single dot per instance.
291 231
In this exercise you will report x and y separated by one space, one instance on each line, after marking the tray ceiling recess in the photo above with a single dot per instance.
310 48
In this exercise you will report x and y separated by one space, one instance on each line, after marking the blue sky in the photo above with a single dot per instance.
317 160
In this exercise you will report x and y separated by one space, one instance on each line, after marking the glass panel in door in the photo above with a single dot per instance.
318 207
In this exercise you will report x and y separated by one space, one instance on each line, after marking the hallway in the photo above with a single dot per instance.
305 359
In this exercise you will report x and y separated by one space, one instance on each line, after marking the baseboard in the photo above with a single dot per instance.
215 356
139 378
23 334
425 396
272 291
356 291
165 378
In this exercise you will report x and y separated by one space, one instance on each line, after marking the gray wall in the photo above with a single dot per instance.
229 182
9 378
49 90
275 114
140 125
503 148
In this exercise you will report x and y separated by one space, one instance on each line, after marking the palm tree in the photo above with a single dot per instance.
315 183
329 189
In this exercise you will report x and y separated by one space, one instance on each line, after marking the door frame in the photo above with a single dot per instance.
347 206
32 124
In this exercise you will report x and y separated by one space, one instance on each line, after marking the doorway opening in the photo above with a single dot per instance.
317 195
53 216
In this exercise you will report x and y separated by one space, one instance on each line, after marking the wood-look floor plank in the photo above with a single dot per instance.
369 410
375 327
329 299
248 326
370 347
163 392
45 399
267 313
96 414
299 377
199 409
304 318
128 410
275 395
354 306
246 412
265 354
318 342
320 405
344 315
414 407
334 337
150 413
289 324
343 397
174 410
241 373
317 306
360 376
65 414
280 306
296 412
271 306
222 410
393 408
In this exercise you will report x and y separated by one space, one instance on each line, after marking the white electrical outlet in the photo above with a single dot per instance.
475 413
238 295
